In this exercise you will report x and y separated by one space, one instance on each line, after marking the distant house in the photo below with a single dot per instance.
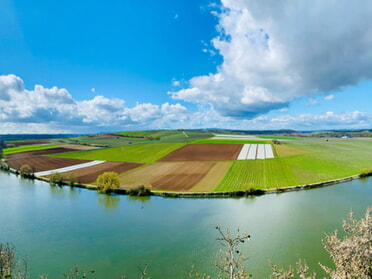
346 137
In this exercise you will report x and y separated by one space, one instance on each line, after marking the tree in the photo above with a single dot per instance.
26 171
56 178
231 261
7 260
351 254
107 182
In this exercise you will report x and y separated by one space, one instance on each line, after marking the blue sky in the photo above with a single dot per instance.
93 66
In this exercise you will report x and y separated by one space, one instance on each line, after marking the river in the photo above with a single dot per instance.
58 227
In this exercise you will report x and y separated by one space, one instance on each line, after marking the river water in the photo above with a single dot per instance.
56 228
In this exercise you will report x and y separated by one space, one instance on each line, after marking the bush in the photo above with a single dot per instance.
56 178
72 179
26 171
107 182
365 173
140 191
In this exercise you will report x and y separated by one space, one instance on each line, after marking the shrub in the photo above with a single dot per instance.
107 182
56 178
365 173
140 191
25 171
72 179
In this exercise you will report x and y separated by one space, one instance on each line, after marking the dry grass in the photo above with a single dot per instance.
284 150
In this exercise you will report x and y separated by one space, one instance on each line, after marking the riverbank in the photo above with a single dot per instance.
232 194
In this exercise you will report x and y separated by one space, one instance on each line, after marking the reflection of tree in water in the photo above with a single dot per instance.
57 190
143 199
64 190
109 201
25 180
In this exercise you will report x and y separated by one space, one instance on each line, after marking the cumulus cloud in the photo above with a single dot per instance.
35 110
276 51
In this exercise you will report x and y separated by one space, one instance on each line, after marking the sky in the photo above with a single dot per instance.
106 66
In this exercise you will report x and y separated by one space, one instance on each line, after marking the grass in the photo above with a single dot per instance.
278 137
24 148
304 162
140 153
257 174
237 141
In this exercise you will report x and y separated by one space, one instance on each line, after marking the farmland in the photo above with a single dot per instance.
141 153
189 161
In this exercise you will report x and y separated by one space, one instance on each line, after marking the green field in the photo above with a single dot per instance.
297 162
140 153
278 137
325 160
12 150
236 141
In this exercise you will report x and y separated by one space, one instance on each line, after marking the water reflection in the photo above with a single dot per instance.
60 191
146 200
109 201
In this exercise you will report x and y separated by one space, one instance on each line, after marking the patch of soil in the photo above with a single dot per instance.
43 163
28 142
90 174
204 152
168 176
33 153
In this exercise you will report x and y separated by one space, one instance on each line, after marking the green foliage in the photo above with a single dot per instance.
140 191
71 179
139 153
107 182
365 172
56 178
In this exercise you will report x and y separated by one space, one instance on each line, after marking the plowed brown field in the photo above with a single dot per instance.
43 163
28 142
90 174
167 176
204 152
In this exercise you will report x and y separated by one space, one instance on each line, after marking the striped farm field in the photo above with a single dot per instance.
257 174
168 176
139 153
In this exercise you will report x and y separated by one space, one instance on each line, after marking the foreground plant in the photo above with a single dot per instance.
231 261
351 254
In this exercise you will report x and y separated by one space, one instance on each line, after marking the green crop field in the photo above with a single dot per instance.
24 148
140 153
278 137
237 141
258 174
324 160
297 162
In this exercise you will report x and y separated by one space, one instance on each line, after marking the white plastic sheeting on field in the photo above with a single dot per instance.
70 168
256 151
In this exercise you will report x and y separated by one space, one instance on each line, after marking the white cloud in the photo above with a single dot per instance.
93 90
276 51
55 110
329 97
